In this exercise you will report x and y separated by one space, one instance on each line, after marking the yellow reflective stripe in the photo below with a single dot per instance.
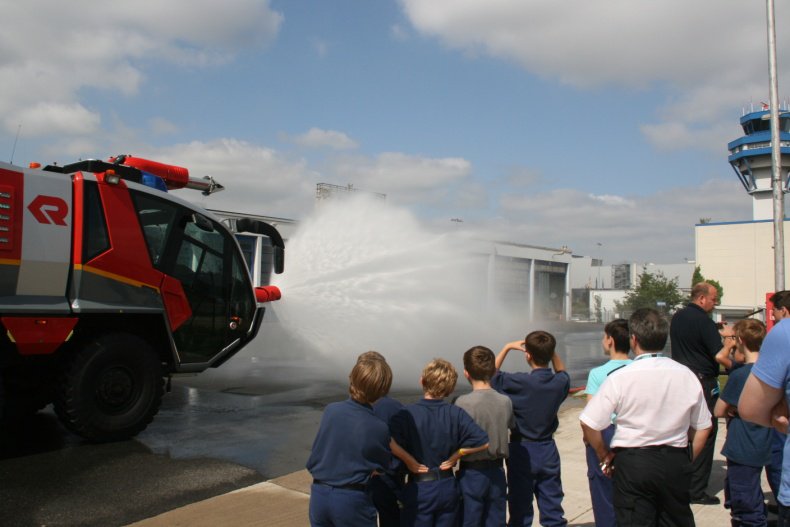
113 276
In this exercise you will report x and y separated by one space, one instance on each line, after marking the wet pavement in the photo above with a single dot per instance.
216 432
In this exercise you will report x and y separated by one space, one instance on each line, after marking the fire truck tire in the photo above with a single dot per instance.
112 388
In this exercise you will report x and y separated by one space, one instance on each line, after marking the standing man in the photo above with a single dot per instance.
765 398
695 342
661 410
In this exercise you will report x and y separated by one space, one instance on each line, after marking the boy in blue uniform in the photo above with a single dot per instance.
351 445
615 344
482 477
748 446
534 464
436 434
385 490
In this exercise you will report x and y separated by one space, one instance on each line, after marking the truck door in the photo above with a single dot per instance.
204 257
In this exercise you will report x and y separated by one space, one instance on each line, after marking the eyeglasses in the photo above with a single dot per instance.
729 336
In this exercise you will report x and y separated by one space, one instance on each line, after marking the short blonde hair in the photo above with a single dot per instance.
371 355
369 381
439 378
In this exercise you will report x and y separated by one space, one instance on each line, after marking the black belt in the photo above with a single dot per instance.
482 464
433 475
516 437
650 447
350 486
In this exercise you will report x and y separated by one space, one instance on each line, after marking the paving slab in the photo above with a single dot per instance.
284 501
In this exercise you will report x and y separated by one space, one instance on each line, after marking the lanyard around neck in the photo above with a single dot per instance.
649 356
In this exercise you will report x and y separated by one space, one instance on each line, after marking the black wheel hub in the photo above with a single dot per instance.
116 389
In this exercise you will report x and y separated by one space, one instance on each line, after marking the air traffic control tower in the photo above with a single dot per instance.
740 254
750 157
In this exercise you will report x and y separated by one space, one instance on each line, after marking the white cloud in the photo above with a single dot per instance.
57 119
81 44
710 54
657 227
257 180
406 179
608 199
321 47
161 126
318 138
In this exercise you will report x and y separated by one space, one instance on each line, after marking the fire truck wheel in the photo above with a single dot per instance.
112 388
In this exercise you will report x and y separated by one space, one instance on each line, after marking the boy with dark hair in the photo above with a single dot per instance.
436 434
385 489
482 476
748 446
534 463
615 344
342 463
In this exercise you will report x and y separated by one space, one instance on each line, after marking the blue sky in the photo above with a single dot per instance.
573 124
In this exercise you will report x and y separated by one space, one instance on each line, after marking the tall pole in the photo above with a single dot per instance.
776 156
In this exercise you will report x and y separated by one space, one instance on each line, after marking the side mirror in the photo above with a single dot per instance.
202 222
261 227
279 259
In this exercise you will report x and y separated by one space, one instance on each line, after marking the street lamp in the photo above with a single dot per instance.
776 155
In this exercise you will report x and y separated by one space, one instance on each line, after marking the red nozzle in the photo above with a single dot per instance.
267 293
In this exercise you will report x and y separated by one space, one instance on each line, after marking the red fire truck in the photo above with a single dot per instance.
109 284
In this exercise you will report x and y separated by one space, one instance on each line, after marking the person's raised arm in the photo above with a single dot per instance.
758 400
723 357
515 345
556 363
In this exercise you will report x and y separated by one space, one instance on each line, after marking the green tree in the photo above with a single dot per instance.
697 278
652 290
598 310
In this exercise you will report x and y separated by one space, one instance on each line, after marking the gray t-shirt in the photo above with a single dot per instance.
493 412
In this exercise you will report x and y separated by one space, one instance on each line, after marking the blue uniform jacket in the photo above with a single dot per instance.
536 397
431 430
350 444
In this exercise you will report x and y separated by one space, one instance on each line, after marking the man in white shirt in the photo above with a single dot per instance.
660 407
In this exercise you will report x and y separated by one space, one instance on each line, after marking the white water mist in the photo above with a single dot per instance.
362 275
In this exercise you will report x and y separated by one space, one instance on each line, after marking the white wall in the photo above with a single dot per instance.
741 257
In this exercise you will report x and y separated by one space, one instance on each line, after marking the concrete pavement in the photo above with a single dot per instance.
283 502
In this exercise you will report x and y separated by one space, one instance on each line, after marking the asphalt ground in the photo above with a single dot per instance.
250 432
203 443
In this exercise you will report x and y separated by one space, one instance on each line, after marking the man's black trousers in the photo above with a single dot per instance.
651 487
702 465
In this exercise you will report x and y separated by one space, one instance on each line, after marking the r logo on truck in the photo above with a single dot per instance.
49 209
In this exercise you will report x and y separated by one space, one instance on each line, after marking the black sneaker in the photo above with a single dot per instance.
705 499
